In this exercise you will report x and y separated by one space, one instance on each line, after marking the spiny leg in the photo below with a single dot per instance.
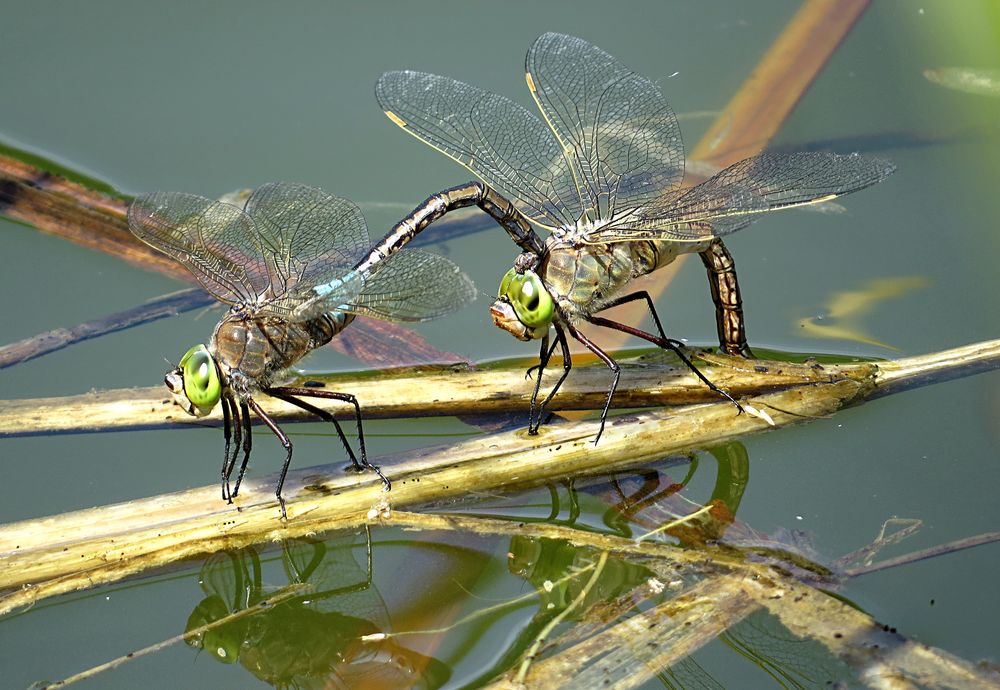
544 355
286 393
607 359
237 428
635 296
247 446
667 344
322 414
567 365
673 345
227 421
287 444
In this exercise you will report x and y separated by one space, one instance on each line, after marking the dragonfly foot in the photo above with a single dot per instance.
386 484
355 466
367 466
599 432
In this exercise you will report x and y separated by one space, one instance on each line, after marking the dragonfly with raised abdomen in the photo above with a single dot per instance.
601 172
295 266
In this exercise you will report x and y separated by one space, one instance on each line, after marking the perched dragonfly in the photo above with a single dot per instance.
295 266
601 172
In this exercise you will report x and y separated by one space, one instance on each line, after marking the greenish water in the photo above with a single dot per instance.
208 99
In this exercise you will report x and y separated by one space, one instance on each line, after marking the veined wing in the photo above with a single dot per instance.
309 238
738 195
413 286
496 139
217 242
621 137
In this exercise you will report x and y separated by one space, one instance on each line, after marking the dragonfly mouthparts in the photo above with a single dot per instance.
503 315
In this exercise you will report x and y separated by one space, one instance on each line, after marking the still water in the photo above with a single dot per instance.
208 99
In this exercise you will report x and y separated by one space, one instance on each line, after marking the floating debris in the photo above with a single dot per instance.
842 318
982 82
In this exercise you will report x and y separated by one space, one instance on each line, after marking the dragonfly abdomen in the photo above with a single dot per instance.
651 255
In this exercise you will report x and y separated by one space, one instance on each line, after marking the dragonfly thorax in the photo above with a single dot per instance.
581 277
257 349
583 229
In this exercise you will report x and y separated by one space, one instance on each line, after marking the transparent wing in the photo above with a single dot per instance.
620 135
736 196
309 238
217 242
414 286
496 139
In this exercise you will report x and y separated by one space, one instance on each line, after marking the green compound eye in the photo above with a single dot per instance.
505 283
531 301
201 378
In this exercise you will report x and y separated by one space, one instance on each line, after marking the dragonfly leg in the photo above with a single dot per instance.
318 554
287 444
227 421
607 359
288 395
667 344
283 394
544 354
247 447
729 320
229 462
632 297
567 365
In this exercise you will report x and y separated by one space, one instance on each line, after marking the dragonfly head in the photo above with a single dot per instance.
223 641
195 383
523 308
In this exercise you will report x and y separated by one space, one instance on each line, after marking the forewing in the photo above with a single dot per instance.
414 286
217 242
496 139
309 237
620 135
738 195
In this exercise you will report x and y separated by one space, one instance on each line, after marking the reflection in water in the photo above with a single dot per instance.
558 571
595 590
312 640
650 502
844 311
793 662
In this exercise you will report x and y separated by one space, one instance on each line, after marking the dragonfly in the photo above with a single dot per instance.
330 635
295 266
601 172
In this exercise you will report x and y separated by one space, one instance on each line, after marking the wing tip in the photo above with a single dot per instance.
396 119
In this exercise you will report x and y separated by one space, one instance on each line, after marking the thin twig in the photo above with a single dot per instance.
51 341
279 596
546 631
932 552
